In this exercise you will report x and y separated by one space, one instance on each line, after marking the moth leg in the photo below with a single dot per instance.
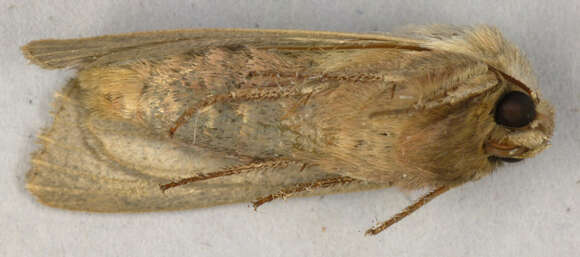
191 110
284 193
408 210
227 172
301 102
246 94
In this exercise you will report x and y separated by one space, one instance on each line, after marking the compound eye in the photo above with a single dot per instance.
504 159
515 109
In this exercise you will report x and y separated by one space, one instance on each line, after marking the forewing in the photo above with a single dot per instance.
103 50
110 166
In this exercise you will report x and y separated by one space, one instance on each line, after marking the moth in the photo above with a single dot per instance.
182 119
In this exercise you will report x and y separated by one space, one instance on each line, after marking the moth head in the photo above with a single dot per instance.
524 123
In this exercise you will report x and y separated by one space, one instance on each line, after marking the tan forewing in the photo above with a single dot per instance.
92 165
112 166
103 50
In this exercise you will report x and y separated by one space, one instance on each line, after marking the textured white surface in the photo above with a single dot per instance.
526 209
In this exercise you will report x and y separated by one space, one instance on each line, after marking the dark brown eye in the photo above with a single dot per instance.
515 109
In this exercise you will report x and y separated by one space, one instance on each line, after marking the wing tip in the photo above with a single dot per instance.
31 52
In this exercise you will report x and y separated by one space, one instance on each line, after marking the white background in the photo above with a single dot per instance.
530 208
